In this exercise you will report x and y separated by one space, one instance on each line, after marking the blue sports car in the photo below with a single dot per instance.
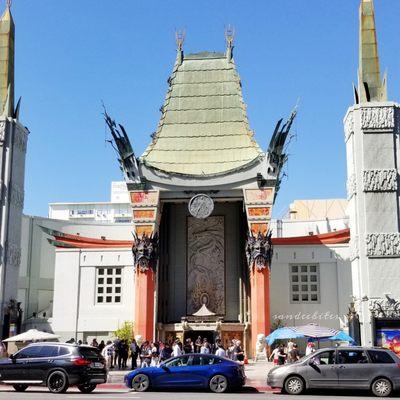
189 371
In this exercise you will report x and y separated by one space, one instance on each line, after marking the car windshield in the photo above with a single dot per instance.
308 356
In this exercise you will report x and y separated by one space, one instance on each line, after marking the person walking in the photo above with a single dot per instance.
293 355
274 355
205 348
198 343
176 349
117 356
281 355
108 354
101 345
166 352
145 355
220 352
188 348
134 353
94 343
230 349
155 356
124 353
310 348
238 351
290 345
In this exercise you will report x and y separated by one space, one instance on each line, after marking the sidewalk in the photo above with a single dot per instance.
256 374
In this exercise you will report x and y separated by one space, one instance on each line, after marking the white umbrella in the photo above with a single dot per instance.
315 331
33 335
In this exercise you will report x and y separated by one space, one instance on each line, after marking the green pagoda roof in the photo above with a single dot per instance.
204 128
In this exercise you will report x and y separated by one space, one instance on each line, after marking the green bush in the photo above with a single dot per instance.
125 332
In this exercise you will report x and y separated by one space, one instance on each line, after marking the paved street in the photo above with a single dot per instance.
40 393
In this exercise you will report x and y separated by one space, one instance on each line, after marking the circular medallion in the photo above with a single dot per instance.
201 206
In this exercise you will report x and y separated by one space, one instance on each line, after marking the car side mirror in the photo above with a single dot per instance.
311 362
12 357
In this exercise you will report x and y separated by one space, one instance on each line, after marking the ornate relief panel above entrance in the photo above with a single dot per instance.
206 264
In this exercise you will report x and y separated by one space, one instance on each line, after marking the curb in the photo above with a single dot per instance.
121 386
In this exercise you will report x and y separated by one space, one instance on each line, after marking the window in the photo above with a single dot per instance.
324 358
108 285
380 357
304 284
63 351
29 352
352 357
204 360
48 351
178 362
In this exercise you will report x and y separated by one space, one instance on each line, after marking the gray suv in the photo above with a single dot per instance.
371 368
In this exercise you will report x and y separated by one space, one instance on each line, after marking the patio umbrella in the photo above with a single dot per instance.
315 331
342 337
33 335
282 333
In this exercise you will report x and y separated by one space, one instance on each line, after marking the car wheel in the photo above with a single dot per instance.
87 387
140 383
294 385
218 384
57 382
20 388
382 387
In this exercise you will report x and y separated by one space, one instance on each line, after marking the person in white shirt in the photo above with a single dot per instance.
176 349
108 353
220 352
275 355
310 348
155 357
205 348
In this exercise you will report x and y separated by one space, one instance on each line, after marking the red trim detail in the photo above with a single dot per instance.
337 237
86 242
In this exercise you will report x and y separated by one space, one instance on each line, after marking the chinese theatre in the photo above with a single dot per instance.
202 196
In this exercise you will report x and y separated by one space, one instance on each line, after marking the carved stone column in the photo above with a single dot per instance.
259 253
371 135
146 218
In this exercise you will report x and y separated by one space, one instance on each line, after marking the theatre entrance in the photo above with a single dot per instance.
193 335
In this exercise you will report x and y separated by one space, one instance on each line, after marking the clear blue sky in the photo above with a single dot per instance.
71 54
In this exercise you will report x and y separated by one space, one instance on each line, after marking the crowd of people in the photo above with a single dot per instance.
290 353
146 354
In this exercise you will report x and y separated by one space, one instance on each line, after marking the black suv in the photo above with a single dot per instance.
56 365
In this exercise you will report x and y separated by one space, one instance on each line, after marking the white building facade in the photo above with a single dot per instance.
99 282
118 210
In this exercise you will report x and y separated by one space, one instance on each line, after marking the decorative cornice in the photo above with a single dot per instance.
385 308
377 119
351 186
383 244
380 180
